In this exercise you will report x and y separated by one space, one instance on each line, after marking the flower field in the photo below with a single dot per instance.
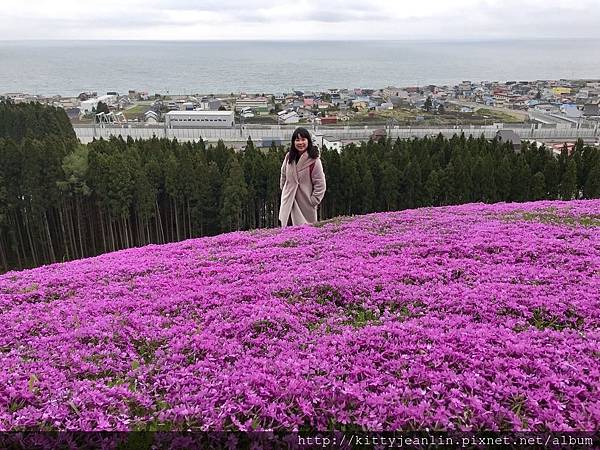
473 317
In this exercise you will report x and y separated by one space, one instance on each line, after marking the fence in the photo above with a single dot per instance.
86 133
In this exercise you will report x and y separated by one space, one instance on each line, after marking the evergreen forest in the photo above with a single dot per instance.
61 200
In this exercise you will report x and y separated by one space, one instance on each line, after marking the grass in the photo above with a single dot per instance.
136 110
408 116
498 116
551 216
359 317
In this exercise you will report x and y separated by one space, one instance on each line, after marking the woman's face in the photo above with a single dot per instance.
301 144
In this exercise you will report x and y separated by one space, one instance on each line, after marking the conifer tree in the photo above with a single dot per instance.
60 200
552 177
568 183
368 191
592 185
389 186
215 178
489 190
234 196
433 189
519 180
538 187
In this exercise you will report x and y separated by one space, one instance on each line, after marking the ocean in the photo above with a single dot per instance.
184 67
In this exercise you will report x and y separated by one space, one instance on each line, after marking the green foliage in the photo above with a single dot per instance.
359 317
61 200
568 183
592 183
428 104
542 319
538 186
102 108
234 195
35 121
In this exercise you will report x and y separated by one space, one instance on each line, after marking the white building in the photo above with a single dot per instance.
150 117
332 143
385 106
197 119
259 104
109 99
288 117
88 106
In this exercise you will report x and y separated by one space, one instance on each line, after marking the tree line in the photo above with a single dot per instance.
61 200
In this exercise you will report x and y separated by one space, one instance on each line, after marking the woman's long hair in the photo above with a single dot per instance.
294 155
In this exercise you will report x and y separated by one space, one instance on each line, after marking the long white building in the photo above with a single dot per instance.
199 119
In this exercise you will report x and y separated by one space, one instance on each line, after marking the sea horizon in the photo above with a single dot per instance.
420 39
68 67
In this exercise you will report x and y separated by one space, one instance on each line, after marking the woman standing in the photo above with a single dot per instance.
302 181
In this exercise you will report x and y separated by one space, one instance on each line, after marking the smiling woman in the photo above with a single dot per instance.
302 181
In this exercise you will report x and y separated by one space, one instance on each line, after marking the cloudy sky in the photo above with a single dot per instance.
298 19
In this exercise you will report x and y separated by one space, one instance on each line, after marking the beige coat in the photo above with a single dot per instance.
301 195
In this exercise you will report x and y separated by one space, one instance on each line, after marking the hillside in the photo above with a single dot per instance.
458 318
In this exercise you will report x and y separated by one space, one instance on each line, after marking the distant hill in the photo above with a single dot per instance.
453 318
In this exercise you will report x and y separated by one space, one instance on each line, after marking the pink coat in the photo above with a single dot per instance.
301 193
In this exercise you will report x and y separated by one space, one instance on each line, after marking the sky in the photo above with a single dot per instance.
298 19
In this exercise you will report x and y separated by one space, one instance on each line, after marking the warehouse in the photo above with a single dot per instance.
197 119
260 105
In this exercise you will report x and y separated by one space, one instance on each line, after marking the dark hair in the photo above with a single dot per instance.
294 155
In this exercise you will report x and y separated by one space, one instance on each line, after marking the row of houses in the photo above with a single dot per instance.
324 107
573 98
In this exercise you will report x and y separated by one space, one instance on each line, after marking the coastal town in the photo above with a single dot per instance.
568 105
479 103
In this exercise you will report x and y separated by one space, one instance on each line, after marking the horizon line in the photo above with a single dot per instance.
421 39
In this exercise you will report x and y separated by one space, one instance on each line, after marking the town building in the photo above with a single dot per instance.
90 105
200 119
332 143
509 136
270 141
150 117
259 104
328 120
288 117
591 110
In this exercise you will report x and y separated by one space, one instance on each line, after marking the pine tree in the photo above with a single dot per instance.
520 180
234 196
413 186
568 183
479 181
503 179
433 189
538 187
351 187
389 186
488 189
428 104
215 199
552 177
368 192
592 185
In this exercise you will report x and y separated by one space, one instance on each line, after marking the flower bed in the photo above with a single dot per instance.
474 317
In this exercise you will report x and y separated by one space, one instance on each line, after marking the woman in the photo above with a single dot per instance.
302 181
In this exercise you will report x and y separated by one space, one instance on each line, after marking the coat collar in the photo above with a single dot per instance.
304 161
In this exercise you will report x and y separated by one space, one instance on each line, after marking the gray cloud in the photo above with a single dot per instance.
332 16
295 19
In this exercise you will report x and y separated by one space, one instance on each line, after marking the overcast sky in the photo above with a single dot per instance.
298 19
